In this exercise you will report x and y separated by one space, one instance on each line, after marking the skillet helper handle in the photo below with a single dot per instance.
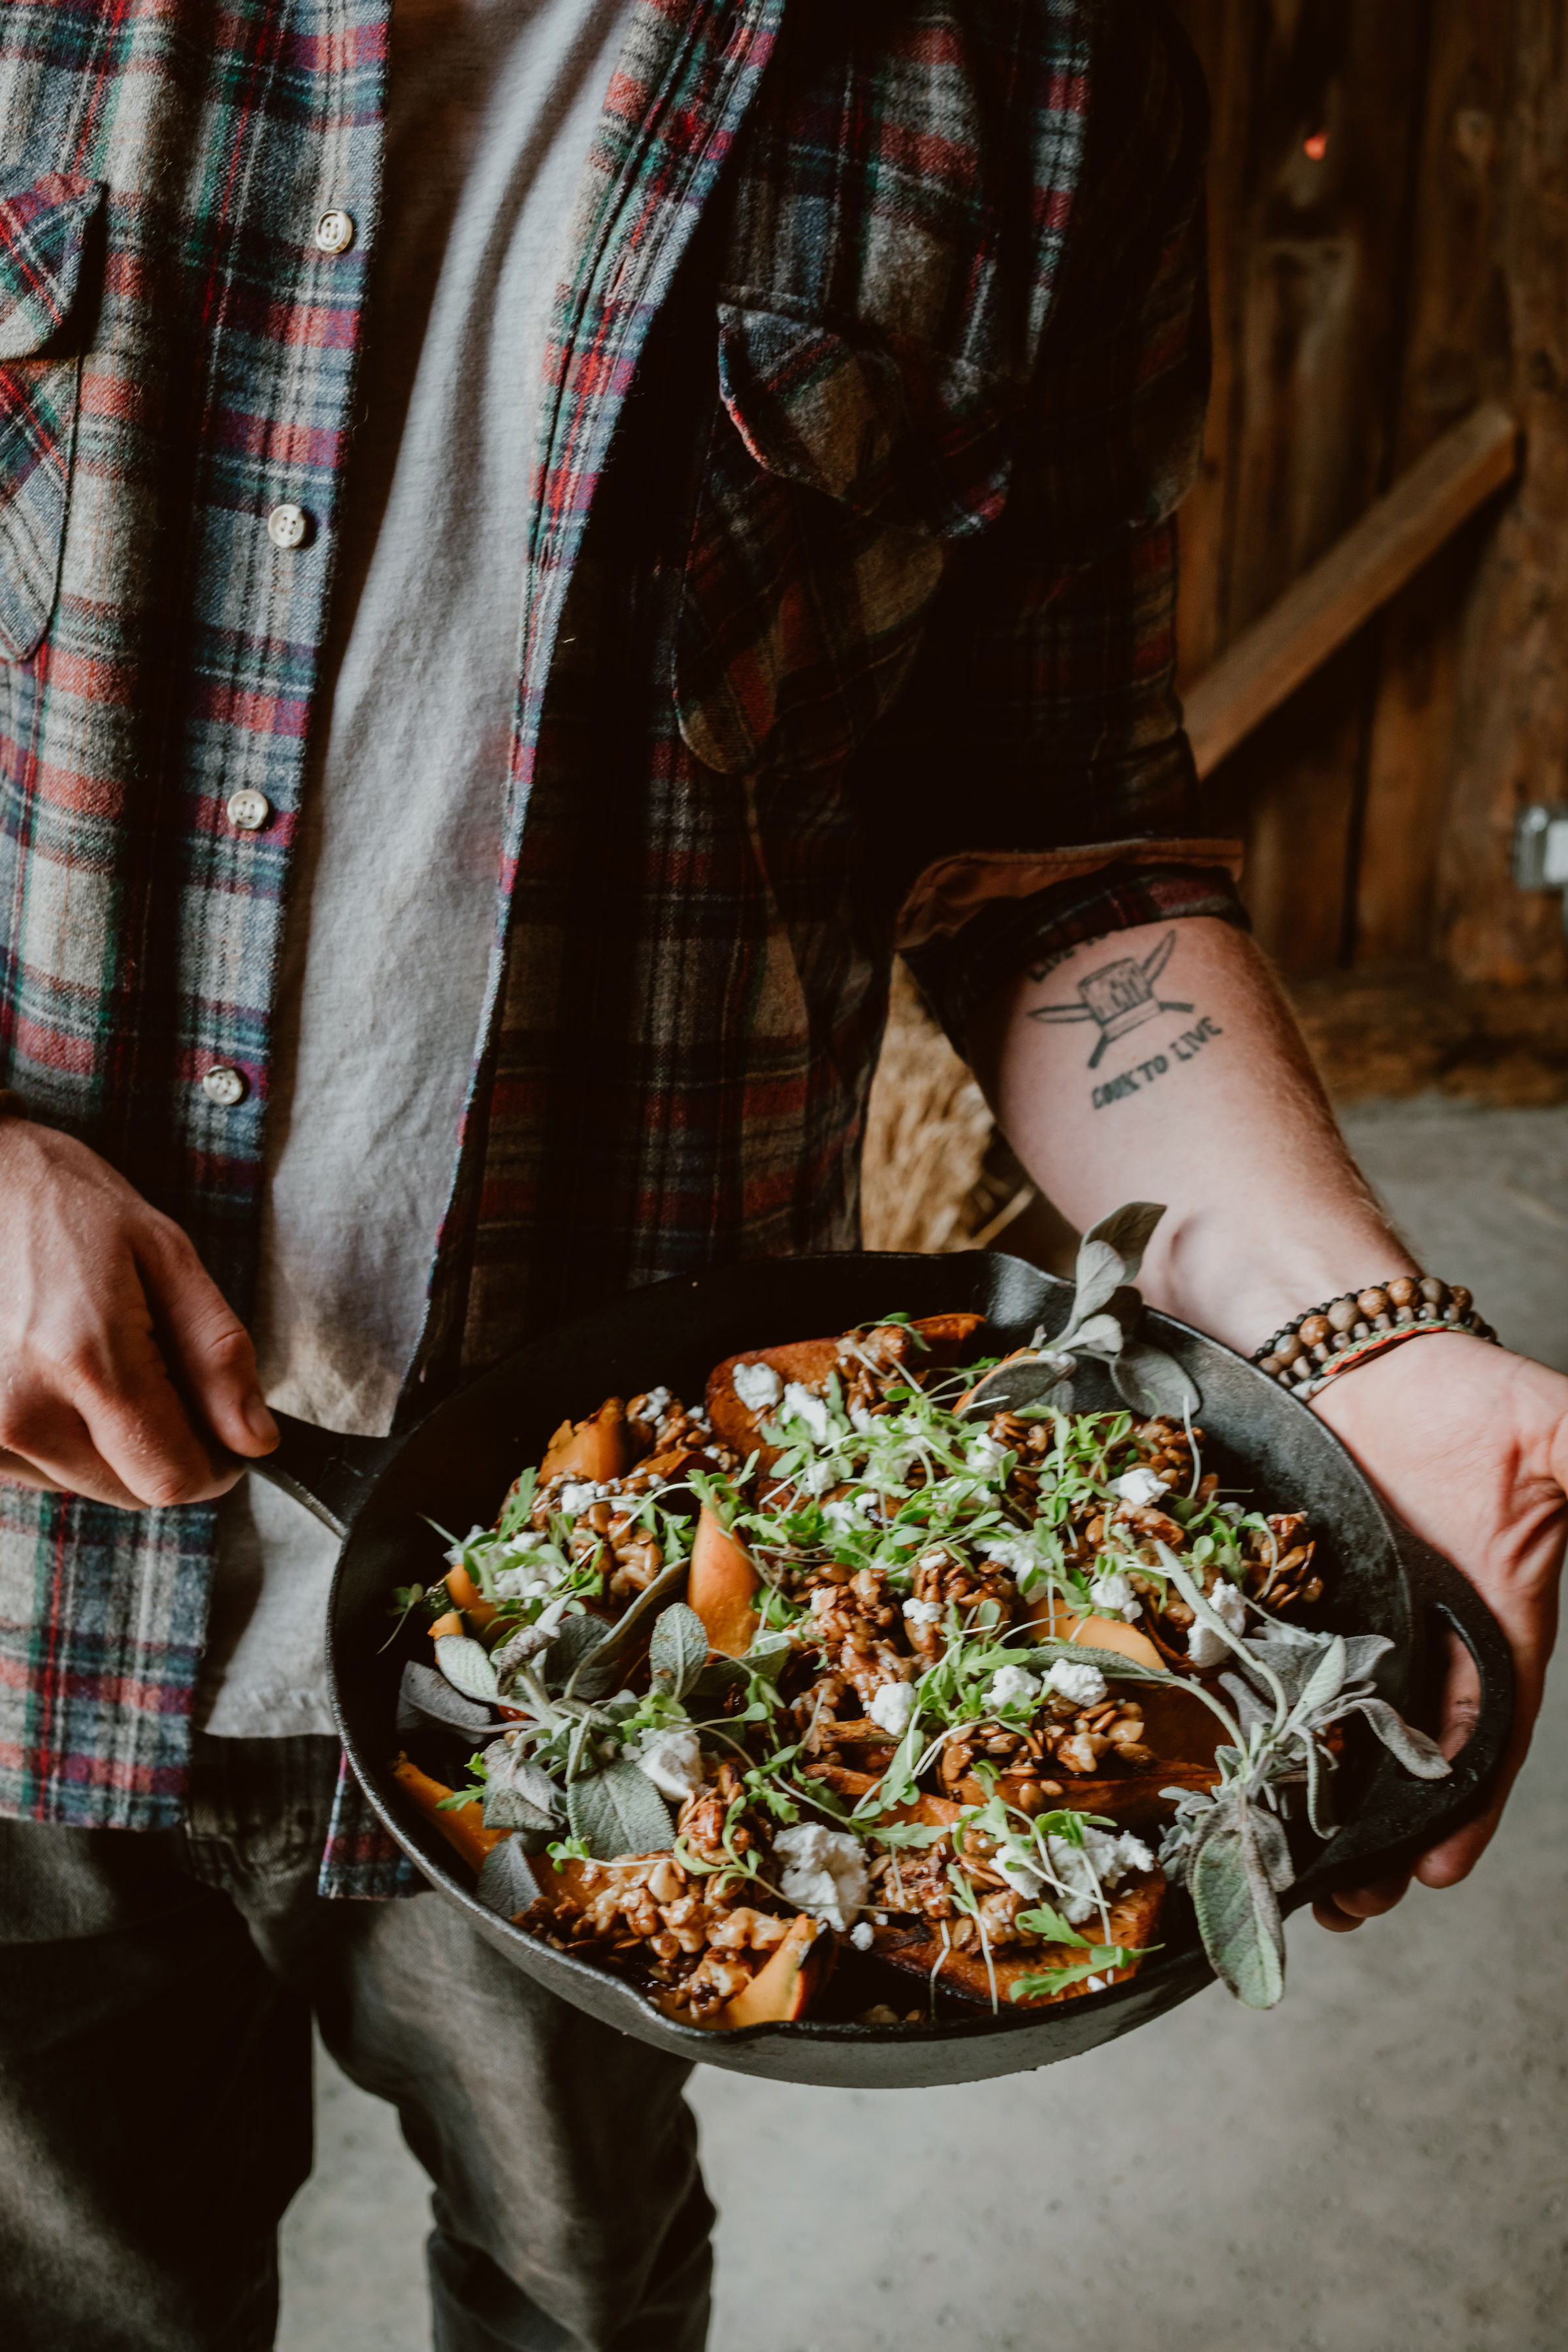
1407 1817
329 1474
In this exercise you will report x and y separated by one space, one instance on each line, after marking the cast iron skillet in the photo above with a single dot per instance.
458 1464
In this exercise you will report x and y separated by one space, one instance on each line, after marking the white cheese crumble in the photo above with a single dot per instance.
1141 1486
757 1386
672 1758
1013 1686
923 1612
455 1558
580 1494
825 1872
861 1936
1078 1680
984 1455
654 1405
799 1404
1103 1861
891 1704
1204 1648
930 1559
861 1418
1112 1594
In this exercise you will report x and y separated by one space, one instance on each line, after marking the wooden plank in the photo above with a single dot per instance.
1224 33
1326 607
1457 354
1511 730
1330 148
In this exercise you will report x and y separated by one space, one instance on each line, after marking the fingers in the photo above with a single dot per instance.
1349 1907
209 1349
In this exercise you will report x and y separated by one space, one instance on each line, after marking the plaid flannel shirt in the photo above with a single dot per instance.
848 624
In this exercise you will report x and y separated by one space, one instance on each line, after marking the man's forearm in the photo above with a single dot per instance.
1162 1064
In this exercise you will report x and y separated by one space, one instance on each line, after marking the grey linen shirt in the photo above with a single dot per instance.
491 111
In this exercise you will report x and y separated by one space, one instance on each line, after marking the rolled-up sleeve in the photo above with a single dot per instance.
1035 783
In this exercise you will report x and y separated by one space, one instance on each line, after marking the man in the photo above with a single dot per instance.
488 684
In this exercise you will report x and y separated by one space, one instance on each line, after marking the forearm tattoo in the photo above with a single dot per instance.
1119 997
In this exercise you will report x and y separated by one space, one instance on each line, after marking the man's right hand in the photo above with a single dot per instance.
117 1354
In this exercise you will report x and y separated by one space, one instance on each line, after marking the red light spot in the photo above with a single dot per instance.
1315 147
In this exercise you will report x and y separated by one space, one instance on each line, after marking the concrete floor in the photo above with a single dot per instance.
1380 2165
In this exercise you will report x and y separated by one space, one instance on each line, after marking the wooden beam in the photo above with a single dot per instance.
1329 604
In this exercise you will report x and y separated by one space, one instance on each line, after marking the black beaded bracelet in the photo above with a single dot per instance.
1329 1338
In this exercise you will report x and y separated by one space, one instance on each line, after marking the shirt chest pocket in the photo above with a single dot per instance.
43 224
843 470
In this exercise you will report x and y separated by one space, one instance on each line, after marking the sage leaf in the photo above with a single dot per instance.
619 1811
1151 1381
1112 1663
507 1884
628 1630
573 1653
1102 1334
1250 1710
518 1793
1237 1911
1325 1681
1128 1231
468 1666
1099 1274
1414 1749
424 1696
679 1649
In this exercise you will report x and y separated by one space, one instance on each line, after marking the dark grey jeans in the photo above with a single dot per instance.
155 2000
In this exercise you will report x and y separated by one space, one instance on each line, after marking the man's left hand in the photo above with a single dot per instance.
1470 1446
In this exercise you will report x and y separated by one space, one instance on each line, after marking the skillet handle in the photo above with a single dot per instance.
329 1474
1406 1817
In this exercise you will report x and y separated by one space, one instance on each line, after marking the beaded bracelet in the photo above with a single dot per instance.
1327 1340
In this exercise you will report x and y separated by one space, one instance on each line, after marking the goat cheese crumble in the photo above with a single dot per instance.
1139 1486
1112 1593
923 1612
1204 1646
825 1872
1013 1686
892 1705
1080 1682
672 1758
757 1386
799 1404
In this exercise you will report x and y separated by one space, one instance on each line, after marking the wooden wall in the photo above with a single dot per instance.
1389 243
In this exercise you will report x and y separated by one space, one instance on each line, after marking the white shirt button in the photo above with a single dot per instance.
287 526
224 1085
335 232
248 809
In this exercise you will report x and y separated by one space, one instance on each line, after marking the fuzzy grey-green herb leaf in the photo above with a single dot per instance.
466 1665
619 1811
679 1649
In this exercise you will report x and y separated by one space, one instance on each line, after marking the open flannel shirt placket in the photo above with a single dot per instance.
885 339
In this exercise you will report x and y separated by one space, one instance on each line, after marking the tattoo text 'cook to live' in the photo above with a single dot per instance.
1143 1074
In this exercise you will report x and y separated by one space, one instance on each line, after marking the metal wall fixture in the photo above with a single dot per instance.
1540 849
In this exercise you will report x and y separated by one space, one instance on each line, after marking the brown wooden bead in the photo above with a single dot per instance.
1405 1290
1270 1364
1433 1291
1314 1330
1345 1314
1462 1298
1289 1348
1373 1302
